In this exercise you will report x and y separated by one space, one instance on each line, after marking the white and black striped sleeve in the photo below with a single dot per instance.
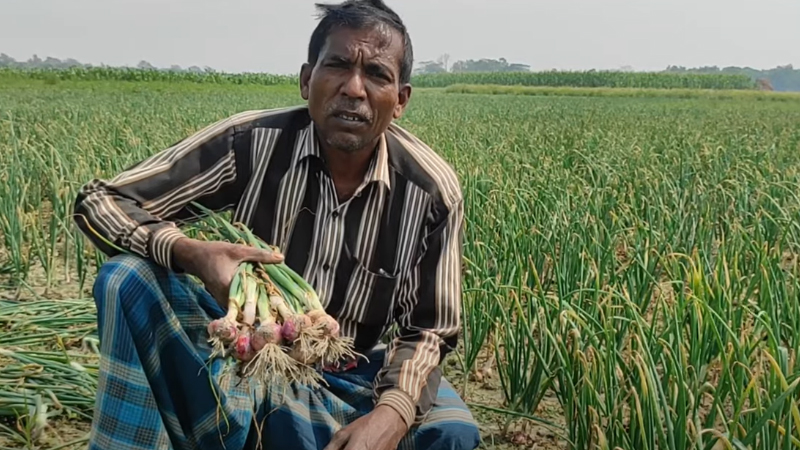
138 211
429 322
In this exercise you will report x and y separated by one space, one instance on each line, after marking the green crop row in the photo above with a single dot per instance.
591 79
555 79
135 74
548 91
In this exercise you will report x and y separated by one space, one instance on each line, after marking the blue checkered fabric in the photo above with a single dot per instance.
157 389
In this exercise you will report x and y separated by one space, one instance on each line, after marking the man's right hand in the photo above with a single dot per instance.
215 263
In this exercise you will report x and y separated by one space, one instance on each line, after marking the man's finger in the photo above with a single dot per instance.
262 256
339 441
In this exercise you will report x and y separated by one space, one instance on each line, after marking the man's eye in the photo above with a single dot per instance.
379 74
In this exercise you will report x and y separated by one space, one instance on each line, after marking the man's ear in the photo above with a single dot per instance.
403 97
305 79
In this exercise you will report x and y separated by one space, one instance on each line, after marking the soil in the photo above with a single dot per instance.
501 431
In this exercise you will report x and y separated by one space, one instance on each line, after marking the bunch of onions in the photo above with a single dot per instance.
312 332
276 325
272 364
289 332
251 333
324 344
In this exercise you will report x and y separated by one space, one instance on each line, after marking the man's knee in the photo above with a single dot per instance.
120 271
456 436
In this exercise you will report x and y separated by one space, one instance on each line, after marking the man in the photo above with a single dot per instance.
367 213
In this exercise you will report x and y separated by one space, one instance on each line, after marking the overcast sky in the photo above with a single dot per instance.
244 35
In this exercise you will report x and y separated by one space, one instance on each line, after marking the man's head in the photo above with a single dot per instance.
357 76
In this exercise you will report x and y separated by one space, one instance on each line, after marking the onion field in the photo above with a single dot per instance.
630 264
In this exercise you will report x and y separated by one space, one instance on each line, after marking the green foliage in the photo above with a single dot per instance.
591 79
556 79
546 91
780 78
138 75
634 260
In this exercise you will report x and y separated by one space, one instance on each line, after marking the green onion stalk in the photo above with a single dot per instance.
243 347
223 332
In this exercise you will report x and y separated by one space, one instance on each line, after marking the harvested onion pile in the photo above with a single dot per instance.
276 326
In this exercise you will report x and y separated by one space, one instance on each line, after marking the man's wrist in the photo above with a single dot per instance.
394 419
162 243
184 255
401 403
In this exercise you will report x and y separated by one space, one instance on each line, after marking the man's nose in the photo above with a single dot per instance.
354 85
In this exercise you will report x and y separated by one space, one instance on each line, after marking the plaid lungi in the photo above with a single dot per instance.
157 389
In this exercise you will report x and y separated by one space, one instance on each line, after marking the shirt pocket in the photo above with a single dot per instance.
370 296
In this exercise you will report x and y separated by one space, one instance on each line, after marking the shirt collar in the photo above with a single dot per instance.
377 172
308 144
380 164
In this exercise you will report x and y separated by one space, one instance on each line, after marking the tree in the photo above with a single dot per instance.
52 63
427 67
7 61
34 62
69 62
764 84
518 68
489 65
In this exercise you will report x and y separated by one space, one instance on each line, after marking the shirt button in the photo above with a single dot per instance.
326 267
335 214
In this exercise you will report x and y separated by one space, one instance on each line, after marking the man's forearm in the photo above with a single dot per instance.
186 254
409 382
429 320
134 212
115 223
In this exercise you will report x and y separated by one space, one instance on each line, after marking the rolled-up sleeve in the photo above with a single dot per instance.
429 321
138 211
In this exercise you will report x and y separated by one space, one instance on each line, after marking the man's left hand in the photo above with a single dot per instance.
381 429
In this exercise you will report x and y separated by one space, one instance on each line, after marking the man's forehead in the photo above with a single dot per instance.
379 40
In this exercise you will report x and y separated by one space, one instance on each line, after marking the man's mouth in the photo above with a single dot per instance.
351 117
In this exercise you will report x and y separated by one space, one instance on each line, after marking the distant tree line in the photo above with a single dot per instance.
425 67
781 78
441 65
35 62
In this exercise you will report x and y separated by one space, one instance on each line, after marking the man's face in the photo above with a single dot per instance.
354 90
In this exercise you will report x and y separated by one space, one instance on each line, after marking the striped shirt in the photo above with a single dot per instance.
391 254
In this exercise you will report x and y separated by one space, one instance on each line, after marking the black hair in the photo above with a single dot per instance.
359 14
